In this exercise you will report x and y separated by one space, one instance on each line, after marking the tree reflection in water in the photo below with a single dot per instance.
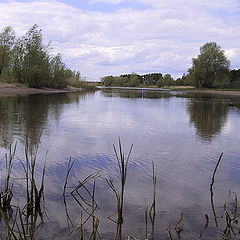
208 116
25 117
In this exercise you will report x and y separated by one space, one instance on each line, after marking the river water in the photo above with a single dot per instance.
182 133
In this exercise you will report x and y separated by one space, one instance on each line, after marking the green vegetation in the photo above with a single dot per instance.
27 218
209 69
149 80
119 193
209 66
27 60
85 85
7 194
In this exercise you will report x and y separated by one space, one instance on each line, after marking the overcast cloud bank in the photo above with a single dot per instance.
130 36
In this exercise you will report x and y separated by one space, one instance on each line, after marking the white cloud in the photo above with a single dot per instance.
163 38
230 53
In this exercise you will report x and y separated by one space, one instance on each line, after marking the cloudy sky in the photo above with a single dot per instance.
112 37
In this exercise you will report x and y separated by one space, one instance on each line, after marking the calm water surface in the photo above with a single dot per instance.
183 134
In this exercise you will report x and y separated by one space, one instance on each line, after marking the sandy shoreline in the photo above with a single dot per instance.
12 89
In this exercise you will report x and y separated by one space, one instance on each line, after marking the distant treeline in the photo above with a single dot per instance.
29 61
135 80
210 68
160 80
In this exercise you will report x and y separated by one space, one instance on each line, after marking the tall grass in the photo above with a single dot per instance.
231 213
25 222
119 193
232 217
151 212
84 204
77 193
34 195
6 194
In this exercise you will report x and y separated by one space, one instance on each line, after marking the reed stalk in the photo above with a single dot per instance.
179 227
7 194
69 167
211 190
152 212
77 194
146 219
119 193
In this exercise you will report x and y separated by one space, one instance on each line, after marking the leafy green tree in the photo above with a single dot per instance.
150 80
59 73
134 80
72 77
18 60
7 38
29 59
36 58
120 81
210 62
234 75
185 80
159 81
168 80
109 81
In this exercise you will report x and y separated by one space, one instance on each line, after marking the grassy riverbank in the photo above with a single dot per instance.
228 90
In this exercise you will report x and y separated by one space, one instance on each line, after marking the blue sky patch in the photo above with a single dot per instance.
103 6
97 6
